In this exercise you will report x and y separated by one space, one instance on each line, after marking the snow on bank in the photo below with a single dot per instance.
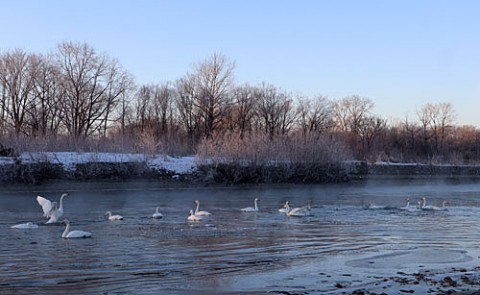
69 160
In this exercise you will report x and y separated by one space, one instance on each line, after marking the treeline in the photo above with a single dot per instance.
76 99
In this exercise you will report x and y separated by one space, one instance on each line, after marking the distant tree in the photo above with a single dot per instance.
185 105
92 85
17 74
437 121
213 82
274 110
242 109
315 115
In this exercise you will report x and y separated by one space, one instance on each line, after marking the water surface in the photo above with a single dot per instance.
232 251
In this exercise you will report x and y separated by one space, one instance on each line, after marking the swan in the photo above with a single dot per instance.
284 208
193 217
74 234
407 206
200 213
251 209
430 207
157 214
299 211
50 209
371 205
28 225
113 217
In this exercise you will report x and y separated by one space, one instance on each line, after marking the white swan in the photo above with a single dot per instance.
251 209
74 234
299 211
157 214
407 206
431 208
193 217
200 213
28 225
284 208
113 217
50 209
371 205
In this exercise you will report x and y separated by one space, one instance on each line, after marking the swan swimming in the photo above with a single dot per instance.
28 225
299 211
113 217
251 209
50 209
200 213
157 214
193 217
74 234
431 208
284 208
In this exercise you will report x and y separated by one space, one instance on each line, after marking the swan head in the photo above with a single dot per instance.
190 213
66 221
65 195
108 213
256 199
196 202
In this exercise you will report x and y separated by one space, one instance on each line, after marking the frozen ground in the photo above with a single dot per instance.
180 165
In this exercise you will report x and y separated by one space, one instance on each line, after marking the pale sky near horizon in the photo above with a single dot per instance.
400 54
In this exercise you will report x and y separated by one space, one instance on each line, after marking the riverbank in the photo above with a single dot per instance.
39 167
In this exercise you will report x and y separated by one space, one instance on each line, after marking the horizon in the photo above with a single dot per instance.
401 56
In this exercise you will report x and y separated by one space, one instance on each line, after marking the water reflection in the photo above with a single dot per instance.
229 248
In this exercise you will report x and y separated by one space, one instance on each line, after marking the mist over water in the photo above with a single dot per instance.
232 251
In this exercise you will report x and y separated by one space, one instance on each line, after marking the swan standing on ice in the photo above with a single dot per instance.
113 217
157 214
251 209
50 209
198 212
74 234
28 225
193 217
299 211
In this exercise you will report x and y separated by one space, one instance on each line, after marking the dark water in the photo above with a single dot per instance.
232 252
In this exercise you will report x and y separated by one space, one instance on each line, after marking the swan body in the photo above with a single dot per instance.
74 234
28 225
371 205
298 212
193 217
200 213
113 217
251 209
50 209
157 214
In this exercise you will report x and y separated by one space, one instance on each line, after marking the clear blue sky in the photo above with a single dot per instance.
400 54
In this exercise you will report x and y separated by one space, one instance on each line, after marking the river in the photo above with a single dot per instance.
232 251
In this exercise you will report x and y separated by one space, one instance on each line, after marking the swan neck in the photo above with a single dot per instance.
256 206
67 229
198 207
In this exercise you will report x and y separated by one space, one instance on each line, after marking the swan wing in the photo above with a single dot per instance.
46 204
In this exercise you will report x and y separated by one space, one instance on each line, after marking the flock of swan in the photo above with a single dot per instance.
54 211
421 205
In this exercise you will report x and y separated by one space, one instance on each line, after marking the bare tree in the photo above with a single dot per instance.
45 114
243 109
92 85
17 75
214 81
315 115
185 105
